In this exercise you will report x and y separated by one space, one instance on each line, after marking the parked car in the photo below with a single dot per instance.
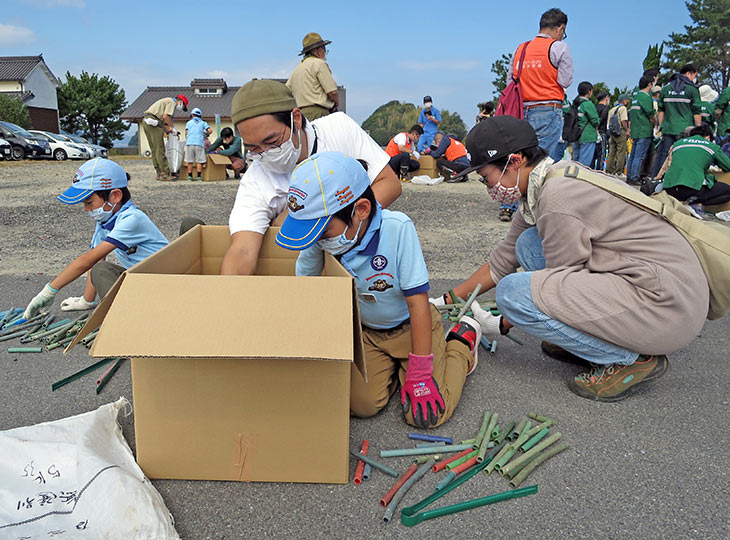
95 150
61 146
24 144
6 149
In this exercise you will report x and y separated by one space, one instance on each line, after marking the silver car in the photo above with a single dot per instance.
61 146
95 150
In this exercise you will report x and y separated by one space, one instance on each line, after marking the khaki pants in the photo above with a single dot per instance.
616 154
386 355
312 112
103 276
154 136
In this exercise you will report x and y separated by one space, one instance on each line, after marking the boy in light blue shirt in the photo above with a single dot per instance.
332 208
121 227
196 131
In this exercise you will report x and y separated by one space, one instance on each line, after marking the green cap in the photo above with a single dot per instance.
623 97
259 97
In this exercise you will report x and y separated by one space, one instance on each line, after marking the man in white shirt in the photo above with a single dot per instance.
278 137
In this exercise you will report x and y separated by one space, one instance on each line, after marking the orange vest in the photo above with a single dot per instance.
392 148
539 79
455 150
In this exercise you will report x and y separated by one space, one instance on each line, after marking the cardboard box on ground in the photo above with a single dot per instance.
725 179
428 167
243 378
214 168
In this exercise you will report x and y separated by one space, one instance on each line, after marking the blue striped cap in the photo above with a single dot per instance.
320 186
95 175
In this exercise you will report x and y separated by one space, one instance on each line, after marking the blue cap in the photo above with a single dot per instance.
321 186
196 112
95 175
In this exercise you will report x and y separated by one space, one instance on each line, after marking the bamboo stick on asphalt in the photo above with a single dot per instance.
442 465
398 483
468 302
506 431
422 470
524 473
420 460
461 460
535 450
398 452
518 429
482 431
108 375
534 439
485 441
367 459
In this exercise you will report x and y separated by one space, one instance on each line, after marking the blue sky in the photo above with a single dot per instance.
381 50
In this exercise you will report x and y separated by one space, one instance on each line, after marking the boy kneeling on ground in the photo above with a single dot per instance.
332 208
121 227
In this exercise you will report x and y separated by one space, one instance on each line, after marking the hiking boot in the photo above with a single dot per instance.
469 332
558 353
505 214
615 382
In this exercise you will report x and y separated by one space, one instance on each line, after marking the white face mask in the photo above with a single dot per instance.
179 106
283 159
503 194
101 215
428 104
339 244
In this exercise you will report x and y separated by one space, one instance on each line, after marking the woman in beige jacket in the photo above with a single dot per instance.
604 282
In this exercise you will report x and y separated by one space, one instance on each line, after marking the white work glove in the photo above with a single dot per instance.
416 156
439 301
77 303
488 322
41 301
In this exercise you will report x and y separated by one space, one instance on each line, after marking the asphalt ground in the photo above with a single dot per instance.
653 466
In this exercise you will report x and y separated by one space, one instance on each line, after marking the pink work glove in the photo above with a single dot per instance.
420 391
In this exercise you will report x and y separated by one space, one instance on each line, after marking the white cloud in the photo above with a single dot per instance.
15 35
459 65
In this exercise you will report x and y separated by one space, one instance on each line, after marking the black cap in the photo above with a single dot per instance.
495 138
427 98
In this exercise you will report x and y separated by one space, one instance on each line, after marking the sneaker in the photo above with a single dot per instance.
448 175
469 332
200 178
505 214
190 177
615 382
558 353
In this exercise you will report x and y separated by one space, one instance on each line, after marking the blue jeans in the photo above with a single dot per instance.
662 152
583 152
514 300
559 151
425 141
636 158
547 122
512 207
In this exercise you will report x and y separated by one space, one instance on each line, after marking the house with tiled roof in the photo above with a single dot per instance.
212 96
30 79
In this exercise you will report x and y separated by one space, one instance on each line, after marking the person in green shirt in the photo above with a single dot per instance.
722 112
679 107
687 178
588 121
707 96
641 119
230 146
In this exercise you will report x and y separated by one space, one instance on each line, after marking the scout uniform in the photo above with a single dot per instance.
311 80
153 126
388 267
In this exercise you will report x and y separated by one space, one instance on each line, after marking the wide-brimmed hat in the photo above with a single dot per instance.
311 41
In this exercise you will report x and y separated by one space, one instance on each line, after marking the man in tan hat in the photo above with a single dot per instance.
278 137
311 81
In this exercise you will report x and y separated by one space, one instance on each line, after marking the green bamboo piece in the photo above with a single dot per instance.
461 460
58 384
492 427
517 430
25 324
90 337
483 447
430 444
420 460
490 467
109 375
14 319
61 343
524 473
28 331
14 335
513 338
512 471
536 438
482 431
505 458
540 418
48 320
535 450
50 338
423 451
8 314
503 433
468 441
367 459
468 302
47 331
25 349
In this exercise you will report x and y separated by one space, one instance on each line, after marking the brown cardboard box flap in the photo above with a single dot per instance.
228 317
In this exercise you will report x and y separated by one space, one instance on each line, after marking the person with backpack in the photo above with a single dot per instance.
606 285
587 125
618 133
547 70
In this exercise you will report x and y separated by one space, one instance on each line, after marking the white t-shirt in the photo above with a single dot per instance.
401 139
262 194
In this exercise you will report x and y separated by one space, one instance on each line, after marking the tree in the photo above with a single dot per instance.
91 105
452 124
134 141
13 110
389 119
705 43
615 93
653 58
501 69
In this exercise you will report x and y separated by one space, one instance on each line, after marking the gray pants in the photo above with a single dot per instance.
103 276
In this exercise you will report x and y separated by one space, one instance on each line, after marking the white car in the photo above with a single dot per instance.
95 150
6 150
61 146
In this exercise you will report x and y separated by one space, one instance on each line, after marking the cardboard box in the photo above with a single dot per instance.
725 179
215 168
428 167
242 378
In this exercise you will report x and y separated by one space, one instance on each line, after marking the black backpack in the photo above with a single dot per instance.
571 133
614 125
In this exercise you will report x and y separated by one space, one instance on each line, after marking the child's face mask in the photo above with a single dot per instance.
339 244
101 215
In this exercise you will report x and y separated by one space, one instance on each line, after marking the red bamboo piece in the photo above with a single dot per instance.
361 464
398 483
469 463
441 465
